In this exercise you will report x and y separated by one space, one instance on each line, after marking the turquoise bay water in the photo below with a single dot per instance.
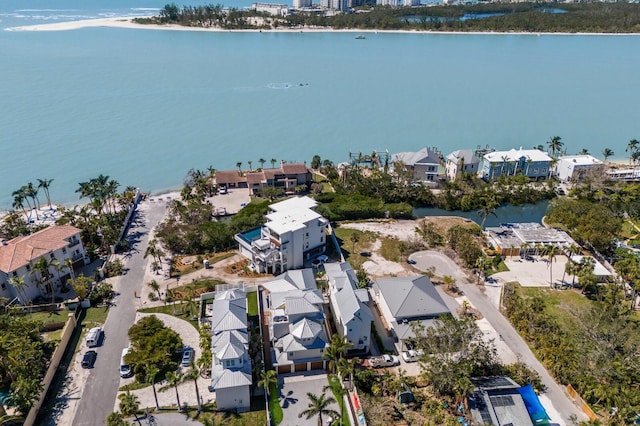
145 106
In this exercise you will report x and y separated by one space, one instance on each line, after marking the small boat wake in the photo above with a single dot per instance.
284 86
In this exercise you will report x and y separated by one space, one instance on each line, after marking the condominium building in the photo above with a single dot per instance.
294 232
59 246
532 163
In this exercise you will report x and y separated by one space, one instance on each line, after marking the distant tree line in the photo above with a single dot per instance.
590 17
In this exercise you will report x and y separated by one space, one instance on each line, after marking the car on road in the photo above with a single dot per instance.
187 356
365 254
411 261
384 361
323 258
411 355
89 359
125 369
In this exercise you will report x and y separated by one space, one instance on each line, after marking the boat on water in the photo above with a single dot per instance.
360 37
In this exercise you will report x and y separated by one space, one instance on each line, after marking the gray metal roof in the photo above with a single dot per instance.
424 156
351 306
467 155
230 379
300 305
229 315
411 297
231 336
305 329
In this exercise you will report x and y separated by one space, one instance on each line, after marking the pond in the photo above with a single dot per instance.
504 214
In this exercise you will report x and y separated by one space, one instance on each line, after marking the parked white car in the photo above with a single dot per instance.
411 355
384 361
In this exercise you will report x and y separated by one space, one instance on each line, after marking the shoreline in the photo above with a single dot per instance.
127 23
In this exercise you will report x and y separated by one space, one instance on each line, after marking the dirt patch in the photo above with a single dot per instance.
444 223
241 269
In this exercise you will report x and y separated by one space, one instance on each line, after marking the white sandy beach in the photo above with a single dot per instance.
127 22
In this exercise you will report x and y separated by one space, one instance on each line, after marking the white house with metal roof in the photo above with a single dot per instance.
422 164
574 167
532 163
405 300
231 366
296 322
460 162
350 306
294 232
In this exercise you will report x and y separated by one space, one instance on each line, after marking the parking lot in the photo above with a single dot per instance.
534 272
294 399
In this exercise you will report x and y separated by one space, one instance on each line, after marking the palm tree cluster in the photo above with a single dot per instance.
29 194
102 218
555 145
633 148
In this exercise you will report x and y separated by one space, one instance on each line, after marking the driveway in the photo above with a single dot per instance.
555 398
293 396
187 390
97 393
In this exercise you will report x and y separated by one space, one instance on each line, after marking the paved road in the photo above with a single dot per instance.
445 266
101 387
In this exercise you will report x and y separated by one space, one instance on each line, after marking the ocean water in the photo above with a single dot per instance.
146 106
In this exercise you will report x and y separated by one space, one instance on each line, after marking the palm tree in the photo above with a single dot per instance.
239 166
69 264
32 191
250 165
262 161
19 284
331 354
488 208
606 153
555 145
20 195
45 184
18 203
632 147
273 163
505 159
267 379
583 151
550 252
115 419
193 374
347 368
341 344
153 284
129 405
318 406
42 266
151 372
173 380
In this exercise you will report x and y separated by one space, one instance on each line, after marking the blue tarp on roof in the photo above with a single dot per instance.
536 411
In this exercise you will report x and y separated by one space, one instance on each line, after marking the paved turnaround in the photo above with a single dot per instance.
445 266
101 387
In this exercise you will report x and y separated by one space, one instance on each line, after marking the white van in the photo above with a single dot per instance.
125 369
93 337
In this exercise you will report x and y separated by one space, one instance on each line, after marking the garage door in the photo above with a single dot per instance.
284 369
301 367
316 365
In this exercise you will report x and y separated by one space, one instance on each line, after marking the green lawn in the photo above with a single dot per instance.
171 309
334 384
352 252
560 304
252 304
274 405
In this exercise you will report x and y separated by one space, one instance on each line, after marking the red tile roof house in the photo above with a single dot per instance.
287 177
18 256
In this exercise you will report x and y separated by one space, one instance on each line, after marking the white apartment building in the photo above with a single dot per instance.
302 4
55 244
294 233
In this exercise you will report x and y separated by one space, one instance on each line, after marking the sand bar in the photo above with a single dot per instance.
127 22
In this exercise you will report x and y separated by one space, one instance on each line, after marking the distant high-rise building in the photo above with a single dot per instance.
300 4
